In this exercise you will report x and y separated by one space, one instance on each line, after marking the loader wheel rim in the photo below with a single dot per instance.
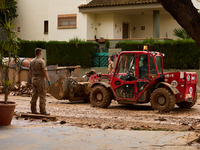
99 96
161 100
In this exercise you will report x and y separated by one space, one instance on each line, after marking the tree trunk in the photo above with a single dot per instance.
6 85
186 15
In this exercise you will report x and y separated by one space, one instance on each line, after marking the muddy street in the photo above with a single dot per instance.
116 116
80 126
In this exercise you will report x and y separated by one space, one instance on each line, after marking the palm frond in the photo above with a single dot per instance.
181 33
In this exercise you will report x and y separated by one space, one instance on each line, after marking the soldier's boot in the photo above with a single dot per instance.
43 106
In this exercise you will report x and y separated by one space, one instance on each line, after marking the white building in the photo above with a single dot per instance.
86 19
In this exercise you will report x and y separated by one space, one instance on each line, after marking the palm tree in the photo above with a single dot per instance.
10 44
181 33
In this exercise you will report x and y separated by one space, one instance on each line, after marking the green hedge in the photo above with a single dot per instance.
129 45
27 48
61 53
69 54
180 54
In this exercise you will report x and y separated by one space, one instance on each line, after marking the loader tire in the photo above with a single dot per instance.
100 97
162 99
187 105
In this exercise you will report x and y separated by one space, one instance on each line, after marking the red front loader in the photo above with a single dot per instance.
139 78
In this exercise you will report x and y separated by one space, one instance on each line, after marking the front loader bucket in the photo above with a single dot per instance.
69 88
57 89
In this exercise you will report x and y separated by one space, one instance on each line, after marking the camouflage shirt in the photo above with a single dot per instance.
37 66
110 66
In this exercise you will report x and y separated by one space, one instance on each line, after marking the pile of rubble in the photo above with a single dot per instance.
25 89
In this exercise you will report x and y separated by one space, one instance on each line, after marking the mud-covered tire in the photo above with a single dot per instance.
100 97
162 99
187 105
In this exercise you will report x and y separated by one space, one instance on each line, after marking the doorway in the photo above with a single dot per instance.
125 30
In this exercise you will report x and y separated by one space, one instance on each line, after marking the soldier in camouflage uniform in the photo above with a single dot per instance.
110 65
38 73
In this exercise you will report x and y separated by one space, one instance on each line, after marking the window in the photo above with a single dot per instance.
67 21
45 27
126 63
152 67
159 64
126 67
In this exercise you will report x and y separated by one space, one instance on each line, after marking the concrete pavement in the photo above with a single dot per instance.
64 137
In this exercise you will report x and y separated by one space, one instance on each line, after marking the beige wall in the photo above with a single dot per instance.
33 13
119 19
142 20
107 29
31 16
91 25
167 25
66 7
104 25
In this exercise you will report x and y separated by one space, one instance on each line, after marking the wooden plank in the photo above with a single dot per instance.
38 116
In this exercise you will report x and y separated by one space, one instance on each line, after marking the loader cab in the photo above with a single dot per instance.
133 73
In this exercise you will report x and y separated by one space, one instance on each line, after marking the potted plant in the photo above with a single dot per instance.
9 50
101 40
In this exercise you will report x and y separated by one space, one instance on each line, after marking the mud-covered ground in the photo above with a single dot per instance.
116 116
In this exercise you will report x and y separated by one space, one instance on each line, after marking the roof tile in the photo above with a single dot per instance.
106 3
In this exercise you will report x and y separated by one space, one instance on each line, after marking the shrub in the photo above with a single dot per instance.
28 48
61 53
129 45
179 54
69 54
107 44
75 40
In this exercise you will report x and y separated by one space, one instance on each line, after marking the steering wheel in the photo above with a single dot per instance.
130 76
129 72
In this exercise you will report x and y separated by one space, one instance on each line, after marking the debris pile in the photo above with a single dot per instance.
85 78
25 89
72 88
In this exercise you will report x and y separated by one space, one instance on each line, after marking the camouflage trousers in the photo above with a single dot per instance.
39 90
